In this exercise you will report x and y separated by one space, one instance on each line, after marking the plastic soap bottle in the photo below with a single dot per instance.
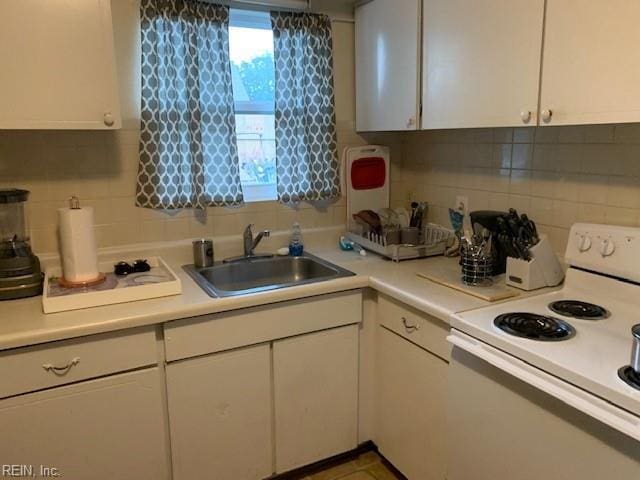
295 241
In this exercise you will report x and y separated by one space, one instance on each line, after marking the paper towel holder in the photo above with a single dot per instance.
91 283
74 204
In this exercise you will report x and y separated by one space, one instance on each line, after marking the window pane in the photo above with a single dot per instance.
252 68
253 76
256 149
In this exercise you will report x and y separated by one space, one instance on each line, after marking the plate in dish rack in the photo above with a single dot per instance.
160 281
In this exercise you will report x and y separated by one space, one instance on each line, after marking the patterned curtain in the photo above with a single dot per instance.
306 151
188 150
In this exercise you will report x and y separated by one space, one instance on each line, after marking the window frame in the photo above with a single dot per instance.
257 20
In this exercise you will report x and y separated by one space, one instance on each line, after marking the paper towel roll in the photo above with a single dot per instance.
78 244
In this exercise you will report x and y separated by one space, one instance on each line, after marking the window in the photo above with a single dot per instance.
253 76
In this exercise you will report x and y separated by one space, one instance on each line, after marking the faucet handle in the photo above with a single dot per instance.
248 228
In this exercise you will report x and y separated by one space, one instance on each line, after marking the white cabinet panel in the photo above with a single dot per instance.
425 331
223 331
100 430
591 67
316 396
57 363
220 415
411 407
58 65
387 65
481 62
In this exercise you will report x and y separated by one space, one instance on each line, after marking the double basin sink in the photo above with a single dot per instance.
252 275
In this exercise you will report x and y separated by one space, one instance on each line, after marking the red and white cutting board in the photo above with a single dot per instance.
366 175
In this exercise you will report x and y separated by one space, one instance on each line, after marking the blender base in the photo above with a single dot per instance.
12 288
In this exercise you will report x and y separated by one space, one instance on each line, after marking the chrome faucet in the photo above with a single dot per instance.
251 243
635 352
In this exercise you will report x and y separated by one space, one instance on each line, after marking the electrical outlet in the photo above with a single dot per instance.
462 204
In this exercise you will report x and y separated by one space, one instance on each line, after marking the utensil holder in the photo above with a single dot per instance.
203 253
477 269
543 270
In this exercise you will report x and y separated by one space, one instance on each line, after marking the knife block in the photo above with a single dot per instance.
543 270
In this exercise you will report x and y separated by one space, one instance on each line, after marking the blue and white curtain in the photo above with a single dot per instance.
306 150
188 150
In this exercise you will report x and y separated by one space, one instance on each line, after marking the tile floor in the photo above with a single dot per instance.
367 466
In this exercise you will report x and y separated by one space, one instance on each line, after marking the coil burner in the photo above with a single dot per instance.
579 310
534 327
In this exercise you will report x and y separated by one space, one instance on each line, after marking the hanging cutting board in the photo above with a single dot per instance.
366 179
493 293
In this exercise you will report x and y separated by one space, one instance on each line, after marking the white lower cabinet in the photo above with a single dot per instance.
411 407
316 396
220 414
276 389
101 429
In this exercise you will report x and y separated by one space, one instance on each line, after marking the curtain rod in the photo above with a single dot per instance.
342 20
266 5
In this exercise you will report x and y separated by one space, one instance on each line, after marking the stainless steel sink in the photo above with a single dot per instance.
253 275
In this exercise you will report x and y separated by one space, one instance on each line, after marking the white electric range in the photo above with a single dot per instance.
574 347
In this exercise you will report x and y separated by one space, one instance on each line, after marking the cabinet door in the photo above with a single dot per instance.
387 65
316 396
101 429
481 63
591 68
411 407
220 415
58 65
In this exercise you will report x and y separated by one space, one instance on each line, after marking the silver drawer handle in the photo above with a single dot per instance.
61 370
409 328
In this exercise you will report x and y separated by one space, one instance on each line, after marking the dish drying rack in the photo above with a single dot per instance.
365 171
434 239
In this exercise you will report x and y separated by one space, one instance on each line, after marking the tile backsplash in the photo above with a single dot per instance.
101 167
559 175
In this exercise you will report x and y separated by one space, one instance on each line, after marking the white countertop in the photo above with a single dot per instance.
23 323
399 280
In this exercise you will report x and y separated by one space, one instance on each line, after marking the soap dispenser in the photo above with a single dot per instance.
296 247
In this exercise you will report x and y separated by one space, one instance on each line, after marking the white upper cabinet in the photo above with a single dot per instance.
58 65
591 67
481 62
387 65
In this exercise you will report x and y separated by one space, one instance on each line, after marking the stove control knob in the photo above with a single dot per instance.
584 243
607 247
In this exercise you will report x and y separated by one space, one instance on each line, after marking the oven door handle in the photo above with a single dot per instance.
593 406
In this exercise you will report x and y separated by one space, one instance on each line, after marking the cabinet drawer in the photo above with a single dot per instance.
423 330
57 363
214 333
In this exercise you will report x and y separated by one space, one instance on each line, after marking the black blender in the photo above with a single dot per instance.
20 273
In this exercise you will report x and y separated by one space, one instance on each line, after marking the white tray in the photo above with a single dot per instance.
161 281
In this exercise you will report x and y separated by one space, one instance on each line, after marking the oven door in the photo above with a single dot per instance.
510 421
